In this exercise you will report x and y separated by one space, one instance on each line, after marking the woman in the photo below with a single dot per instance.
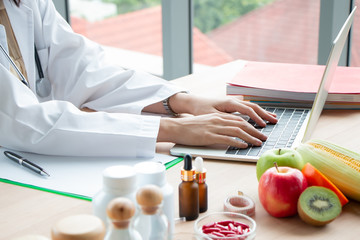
46 117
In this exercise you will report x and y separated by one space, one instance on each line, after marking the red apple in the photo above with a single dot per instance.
280 189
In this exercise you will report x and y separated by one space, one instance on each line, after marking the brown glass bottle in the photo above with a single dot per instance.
188 192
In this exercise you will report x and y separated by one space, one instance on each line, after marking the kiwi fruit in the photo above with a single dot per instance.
318 206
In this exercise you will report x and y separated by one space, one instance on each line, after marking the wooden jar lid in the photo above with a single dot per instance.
120 211
79 227
149 197
31 237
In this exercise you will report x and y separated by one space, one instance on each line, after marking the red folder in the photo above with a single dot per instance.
294 81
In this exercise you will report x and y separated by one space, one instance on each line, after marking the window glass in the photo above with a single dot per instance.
258 30
130 30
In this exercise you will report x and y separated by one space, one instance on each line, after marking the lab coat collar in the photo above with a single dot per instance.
22 22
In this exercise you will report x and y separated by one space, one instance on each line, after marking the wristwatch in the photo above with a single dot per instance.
167 106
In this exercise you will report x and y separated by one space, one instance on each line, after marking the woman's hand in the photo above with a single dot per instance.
187 103
214 128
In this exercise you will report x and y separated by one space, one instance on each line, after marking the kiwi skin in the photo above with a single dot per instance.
336 206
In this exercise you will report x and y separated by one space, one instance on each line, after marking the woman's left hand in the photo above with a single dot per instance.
198 106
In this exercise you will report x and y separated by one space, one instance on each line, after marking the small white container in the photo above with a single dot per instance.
118 181
155 173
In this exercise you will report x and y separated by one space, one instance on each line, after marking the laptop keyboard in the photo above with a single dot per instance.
280 135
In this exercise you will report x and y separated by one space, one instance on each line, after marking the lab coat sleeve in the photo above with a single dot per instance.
60 128
82 75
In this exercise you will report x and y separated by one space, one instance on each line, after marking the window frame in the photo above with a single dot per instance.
62 6
333 14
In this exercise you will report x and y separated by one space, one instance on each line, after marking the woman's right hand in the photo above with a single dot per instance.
208 129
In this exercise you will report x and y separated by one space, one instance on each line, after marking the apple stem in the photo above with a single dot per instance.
279 150
276 166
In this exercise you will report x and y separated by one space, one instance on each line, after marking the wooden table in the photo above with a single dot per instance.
27 211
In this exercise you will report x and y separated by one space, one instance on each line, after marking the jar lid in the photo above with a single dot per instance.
120 177
31 237
79 227
149 198
151 173
120 211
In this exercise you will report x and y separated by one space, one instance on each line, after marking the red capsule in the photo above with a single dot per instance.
231 227
227 232
243 225
208 225
210 230
223 227
217 234
225 222
240 230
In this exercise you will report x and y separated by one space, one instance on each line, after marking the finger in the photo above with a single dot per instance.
229 141
271 113
248 128
240 133
222 119
271 117
244 109
231 120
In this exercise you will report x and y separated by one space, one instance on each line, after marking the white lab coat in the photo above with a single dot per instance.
79 78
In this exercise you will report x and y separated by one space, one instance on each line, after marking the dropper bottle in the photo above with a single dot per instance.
188 191
200 176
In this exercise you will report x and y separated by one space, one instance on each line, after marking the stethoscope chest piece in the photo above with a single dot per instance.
43 87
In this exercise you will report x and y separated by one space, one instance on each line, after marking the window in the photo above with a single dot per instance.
258 30
224 30
130 30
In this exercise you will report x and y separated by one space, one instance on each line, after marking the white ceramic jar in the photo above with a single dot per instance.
118 181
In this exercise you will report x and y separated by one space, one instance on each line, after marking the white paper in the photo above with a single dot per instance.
74 175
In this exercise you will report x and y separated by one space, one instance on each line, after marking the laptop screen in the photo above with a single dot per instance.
328 76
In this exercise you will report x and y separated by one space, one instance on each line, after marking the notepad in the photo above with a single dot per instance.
79 177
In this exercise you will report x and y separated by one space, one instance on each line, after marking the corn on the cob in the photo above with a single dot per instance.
338 164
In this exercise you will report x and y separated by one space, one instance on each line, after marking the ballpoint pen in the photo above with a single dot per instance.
26 163
23 80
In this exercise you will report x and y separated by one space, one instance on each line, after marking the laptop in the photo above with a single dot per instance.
295 125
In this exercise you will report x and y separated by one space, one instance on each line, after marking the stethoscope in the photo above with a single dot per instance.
43 86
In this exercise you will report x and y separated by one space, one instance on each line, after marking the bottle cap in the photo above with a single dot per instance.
200 171
187 172
150 173
79 227
149 197
120 211
187 162
121 178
